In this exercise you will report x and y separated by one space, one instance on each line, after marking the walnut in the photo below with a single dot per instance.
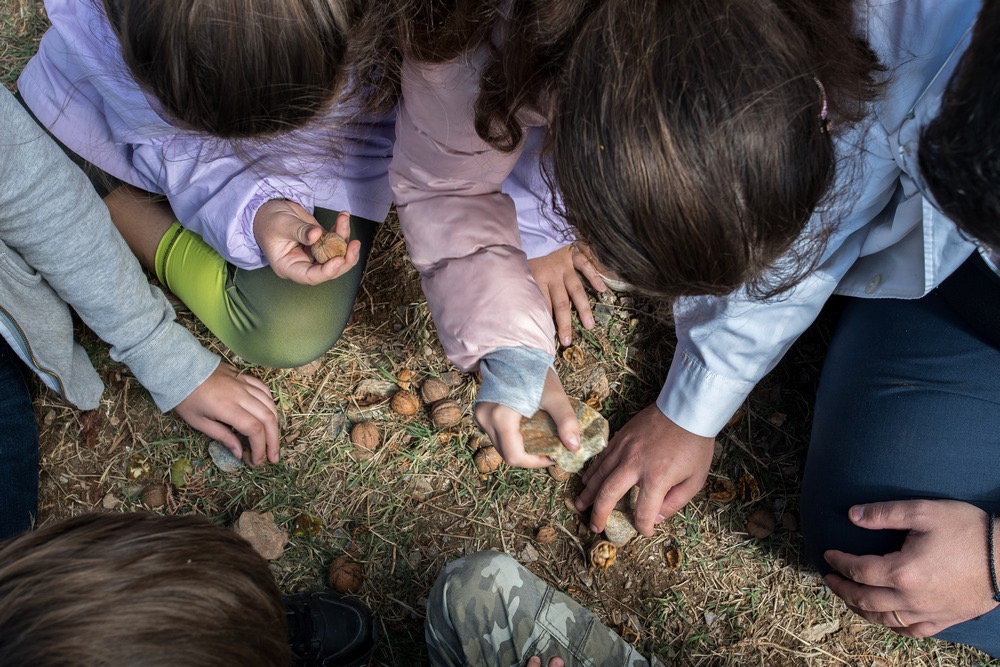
404 403
487 460
446 413
329 246
546 535
155 496
365 435
761 524
603 554
345 575
434 390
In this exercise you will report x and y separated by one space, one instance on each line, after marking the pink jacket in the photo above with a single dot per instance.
460 228
78 87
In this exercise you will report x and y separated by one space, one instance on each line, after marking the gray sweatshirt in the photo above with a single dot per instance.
59 249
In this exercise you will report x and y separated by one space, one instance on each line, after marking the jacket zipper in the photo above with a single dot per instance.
27 347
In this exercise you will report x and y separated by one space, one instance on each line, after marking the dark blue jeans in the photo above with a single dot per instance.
908 407
18 448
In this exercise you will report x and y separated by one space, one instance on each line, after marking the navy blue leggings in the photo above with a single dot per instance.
908 407
18 448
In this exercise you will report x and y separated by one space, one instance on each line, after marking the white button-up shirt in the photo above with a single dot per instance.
888 240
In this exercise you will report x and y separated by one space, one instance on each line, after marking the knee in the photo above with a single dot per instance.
474 579
288 338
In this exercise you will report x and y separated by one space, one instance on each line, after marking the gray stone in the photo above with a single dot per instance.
224 458
542 439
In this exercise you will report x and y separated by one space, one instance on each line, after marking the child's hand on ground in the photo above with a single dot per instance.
939 578
503 425
284 231
557 277
668 463
228 401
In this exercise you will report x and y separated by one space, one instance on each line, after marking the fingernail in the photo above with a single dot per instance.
567 340
594 529
588 322
578 504
574 441
857 513
660 518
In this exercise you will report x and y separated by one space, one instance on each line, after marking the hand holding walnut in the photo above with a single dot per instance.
286 233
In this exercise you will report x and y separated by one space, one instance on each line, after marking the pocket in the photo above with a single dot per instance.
14 266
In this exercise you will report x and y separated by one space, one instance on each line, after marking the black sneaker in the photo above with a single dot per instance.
326 629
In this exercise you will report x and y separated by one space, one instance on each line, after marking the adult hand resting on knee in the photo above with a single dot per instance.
284 231
668 463
228 400
940 577
503 425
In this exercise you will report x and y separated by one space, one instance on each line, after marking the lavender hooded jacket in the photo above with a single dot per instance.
78 87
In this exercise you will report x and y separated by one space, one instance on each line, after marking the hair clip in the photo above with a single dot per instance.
824 114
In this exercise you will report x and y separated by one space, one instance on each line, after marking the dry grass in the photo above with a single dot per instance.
701 592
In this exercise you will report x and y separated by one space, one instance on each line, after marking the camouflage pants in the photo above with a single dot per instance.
485 609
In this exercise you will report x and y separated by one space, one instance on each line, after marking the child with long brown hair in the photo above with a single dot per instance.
729 155
687 145
228 123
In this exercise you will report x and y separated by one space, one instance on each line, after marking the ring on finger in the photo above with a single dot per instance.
895 615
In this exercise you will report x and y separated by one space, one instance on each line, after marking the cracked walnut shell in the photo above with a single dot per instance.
603 554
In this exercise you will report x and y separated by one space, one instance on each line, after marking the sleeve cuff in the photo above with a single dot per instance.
514 377
698 400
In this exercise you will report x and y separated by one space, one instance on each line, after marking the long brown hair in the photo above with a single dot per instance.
116 590
686 138
237 68
705 144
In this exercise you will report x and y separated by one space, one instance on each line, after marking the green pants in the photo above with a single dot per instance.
485 609
265 319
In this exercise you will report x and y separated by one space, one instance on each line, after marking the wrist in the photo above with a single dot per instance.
992 555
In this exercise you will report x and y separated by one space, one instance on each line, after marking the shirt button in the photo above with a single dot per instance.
873 283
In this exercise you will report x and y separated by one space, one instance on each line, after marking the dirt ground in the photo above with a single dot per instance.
702 591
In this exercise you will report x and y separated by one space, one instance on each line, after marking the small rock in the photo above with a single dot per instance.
603 313
336 424
542 439
529 554
619 530
110 501
262 533
223 458
710 618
